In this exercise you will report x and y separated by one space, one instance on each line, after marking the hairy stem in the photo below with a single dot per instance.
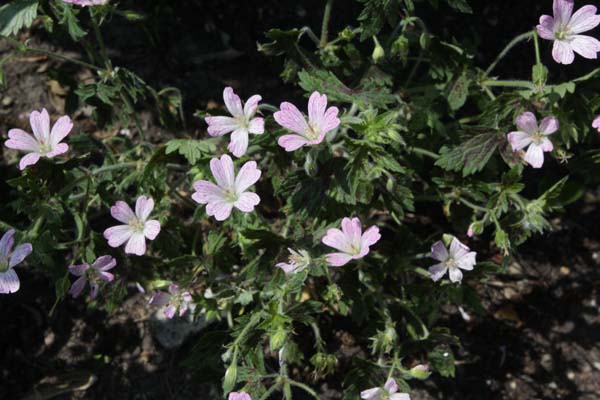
522 37
325 25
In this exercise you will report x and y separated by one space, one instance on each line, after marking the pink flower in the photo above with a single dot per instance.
320 121
84 3
95 274
230 191
387 392
172 301
44 142
239 396
596 123
297 261
534 136
470 231
459 257
350 241
565 28
242 123
137 227
9 280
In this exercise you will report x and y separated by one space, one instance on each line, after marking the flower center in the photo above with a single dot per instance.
3 264
137 225
537 137
45 147
354 249
451 263
562 33
313 132
231 195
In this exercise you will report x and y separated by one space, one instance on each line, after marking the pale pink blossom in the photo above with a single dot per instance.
95 274
596 123
389 391
470 231
239 396
565 28
241 124
230 191
350 241
44 142
173 301
321 120
136 229
297 261
9 280
456 258
534 136
85 3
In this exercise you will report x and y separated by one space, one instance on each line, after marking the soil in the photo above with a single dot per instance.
539 337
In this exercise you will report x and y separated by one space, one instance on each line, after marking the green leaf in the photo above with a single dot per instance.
17 15
375 14
442 360
191 149
471 156
459 92
460 5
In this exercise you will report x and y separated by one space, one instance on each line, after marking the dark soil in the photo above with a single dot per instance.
539 337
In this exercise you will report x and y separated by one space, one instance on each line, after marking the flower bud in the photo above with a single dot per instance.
420 371
230 378
277 339
378 52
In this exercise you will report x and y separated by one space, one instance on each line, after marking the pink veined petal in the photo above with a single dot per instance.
586 46
143 207
183 309
117 235
317 104
122 212
291 118
222 170
519 140
584 19
151 229
79 269
93 290
219 126
563 9
7 242
439 251
77 287
596 123
233 103
106 276
174 288
527 122
239 396
187 297
391 386
292 142
9 282
352 229
337 259
330 121
239 142
221 210
370 394
562 52
62 127
286 268
40 124
59 149
370 237
170 311
247 201
456 275
549 125
457 249
28 159
136 244
535 155
251 106
19 254
547 145
400 396
207 192
437 271
467 261
247 176
546 27
337 239
257 126
104 263
160 299
21 140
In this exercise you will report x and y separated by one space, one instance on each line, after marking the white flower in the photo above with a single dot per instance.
459 257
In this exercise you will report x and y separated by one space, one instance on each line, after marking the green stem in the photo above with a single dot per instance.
424 152
472 205
100 170
325 24
536 43
304 387
514 83
100 40
270 391
522 37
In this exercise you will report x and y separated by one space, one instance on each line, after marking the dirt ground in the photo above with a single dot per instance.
539 338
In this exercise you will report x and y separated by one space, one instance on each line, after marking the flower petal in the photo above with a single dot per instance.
251 106
222 170
117 235
7 242
221 210
136 244
439 251
546 27
317 104
527 122
457 249
549 125
562 52
104 263
337 259
330 121
239 142
337 239
292 142
207 192
584 19
547 145
79 269
247 176
160 299
106 276
519 140
563 9
391 386
62 127
170 311
467 261
437 271
586 46
151 229
21 140
28 159
77 287
9 282
291 118
400 396
57 150
247 201
19 254
122 212
596 123
143 207
370 394
40 124
257 126
456 275
352 229
535 155
233 103
219 126
370 237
